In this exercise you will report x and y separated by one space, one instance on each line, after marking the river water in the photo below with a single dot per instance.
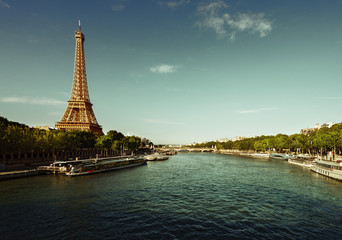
189 196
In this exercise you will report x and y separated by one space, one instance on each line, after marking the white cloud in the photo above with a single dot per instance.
158 121
4 4
212 8
33 100
215 23
256 110
175 4
163 68
117 7
255 23
211 18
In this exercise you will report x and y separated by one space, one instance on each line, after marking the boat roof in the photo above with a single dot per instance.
104 159
328 163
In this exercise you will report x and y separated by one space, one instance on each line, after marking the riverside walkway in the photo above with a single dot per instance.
20 174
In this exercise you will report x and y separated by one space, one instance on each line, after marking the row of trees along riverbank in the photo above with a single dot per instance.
19 138
320 141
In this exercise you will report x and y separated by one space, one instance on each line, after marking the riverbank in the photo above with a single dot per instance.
50 168
20 174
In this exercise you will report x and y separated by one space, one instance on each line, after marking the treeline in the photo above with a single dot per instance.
318 142
16 137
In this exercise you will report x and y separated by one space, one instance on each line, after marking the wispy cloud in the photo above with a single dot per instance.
158 121
256 110
226 25
163 68
175 4
65 94
117 7
33 100
32 39
136 75
255 23
4 4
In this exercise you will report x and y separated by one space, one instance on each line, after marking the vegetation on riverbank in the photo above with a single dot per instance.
318 142
16 137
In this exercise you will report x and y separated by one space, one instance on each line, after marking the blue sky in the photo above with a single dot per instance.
176 71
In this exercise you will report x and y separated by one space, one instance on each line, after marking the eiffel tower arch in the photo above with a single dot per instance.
79 114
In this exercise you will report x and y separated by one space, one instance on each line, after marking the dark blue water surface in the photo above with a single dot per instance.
189 196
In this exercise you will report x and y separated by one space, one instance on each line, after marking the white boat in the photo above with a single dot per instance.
104 166
260 155
280 156
302 161
156 157
332 169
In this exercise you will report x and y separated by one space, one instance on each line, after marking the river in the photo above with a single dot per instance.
189 196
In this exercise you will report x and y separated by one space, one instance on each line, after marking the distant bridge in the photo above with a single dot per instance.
184 149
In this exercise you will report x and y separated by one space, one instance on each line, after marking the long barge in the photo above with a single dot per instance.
304 161
328 168
91 166
104 166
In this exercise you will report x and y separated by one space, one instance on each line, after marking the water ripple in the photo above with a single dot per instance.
190 196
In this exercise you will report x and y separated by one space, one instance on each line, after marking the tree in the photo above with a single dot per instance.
117 146
132 143
280 142
114 135
103 142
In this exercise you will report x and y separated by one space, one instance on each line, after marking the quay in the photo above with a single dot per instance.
20 174
57 167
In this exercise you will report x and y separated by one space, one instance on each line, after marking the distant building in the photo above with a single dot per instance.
307 131
328 125
47 128
238 138
223 140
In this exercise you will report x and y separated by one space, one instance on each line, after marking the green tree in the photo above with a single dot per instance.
103 142
132 143
117 146
114 135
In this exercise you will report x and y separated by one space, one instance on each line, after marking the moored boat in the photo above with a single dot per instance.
303 161
260 155
332 169
156 157
280 156
104 166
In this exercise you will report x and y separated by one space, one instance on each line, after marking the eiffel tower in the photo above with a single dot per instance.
79 114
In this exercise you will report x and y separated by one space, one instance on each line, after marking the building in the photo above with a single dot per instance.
79 114
46 128
238 138
307 131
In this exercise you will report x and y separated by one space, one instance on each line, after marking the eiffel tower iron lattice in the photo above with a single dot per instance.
79 114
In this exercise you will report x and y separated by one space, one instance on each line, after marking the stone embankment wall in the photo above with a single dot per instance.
20 161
